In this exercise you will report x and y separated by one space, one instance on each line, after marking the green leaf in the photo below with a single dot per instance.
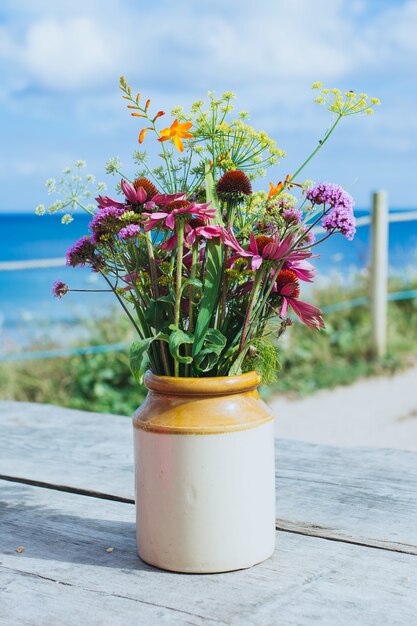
191 282
160 313
236 367
176 339
208 356
139 355
213 277
139 360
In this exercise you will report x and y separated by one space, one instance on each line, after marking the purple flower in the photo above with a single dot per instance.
129 231
341 218
330 194
106 221
309 237
81 252
340 202
59 289
292 215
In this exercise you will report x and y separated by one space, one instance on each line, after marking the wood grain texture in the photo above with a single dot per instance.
65 576
359 495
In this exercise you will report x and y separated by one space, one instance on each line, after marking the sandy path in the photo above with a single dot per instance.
376 412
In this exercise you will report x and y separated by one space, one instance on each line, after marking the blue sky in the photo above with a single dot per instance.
60 64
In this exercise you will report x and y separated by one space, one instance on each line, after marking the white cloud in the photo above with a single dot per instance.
274 46
69 54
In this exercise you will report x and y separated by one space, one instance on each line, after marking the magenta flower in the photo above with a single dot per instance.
130 231
59 289
129 279
104 201
286 286
178 207
302 269
205 230
263 248
162 199
138 196
133 196
195 228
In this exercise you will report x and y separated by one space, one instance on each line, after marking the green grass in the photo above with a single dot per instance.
309 360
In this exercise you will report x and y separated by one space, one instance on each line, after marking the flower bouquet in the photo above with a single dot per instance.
209 272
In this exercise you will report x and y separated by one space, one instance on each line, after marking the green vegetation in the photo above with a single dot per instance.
309 360
340 354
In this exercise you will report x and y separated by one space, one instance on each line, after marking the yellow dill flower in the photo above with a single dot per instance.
375 101
128 215
317 85
164 281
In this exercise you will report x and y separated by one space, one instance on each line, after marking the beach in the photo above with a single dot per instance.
378 412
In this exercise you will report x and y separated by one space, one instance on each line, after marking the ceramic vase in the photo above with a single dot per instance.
204 474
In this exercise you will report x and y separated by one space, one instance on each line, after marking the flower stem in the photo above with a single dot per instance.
313 154
154 280
126 310
194 260
254 293
179 227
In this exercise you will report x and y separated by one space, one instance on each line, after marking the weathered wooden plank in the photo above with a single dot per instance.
65 576
366 496
363 495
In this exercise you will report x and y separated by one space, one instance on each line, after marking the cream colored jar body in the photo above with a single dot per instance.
205 476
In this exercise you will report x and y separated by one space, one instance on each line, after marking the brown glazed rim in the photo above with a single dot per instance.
216 385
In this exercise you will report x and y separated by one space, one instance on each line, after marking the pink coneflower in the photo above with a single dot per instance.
133 195
142 193
147 185
286 286
194 229
129 279
104 201
263 248
176 208
302 269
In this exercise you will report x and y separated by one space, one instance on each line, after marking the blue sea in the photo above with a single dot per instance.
26 298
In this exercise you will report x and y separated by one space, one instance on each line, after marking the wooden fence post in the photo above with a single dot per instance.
379 274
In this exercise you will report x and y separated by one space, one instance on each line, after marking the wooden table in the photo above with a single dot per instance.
346 535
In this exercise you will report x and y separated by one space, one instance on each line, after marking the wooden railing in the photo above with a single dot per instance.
379 221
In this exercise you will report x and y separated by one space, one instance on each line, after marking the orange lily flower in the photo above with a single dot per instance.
274 190
177 131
